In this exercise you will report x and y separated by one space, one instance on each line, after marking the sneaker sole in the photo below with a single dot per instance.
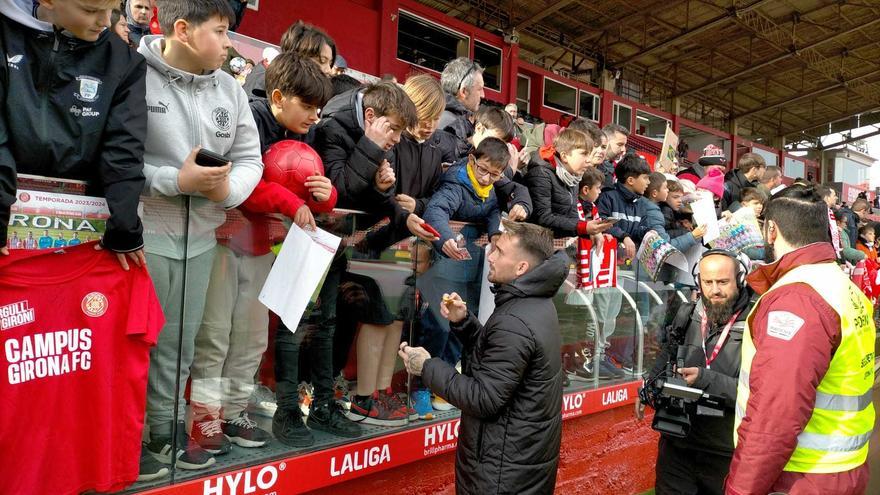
296 442
153 476
385 422
577 378
166 459
193 467
222 450
244 442
357 418
327 429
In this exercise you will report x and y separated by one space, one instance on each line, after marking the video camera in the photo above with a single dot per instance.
674 401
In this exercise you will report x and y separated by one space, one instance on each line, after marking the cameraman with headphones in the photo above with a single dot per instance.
708 334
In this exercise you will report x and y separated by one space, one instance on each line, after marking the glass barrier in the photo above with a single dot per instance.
254 382
236 386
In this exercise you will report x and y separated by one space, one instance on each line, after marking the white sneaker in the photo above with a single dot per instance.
440 404
262 401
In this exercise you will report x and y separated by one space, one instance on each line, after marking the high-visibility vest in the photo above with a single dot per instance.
836 437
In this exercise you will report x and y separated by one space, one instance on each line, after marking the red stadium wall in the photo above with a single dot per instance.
607 452
353 24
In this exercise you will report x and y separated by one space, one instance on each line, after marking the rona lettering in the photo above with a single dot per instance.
444 432
359 460
244 480
44 222
614 396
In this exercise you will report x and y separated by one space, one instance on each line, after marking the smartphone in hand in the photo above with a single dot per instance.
207 158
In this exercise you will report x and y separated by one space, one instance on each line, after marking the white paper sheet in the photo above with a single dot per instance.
300 267
704 214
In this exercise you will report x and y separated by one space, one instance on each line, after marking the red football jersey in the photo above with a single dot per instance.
76 332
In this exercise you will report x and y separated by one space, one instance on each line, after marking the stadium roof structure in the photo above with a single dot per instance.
797 69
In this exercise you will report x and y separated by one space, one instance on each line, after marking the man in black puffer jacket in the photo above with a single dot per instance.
510 387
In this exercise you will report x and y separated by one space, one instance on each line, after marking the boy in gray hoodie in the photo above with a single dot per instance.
191 104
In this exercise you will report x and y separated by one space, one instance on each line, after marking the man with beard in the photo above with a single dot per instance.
804 413
510 386
712 329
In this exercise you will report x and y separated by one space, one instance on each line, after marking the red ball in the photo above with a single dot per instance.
290 163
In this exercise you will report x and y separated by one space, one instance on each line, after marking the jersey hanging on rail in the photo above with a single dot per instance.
76 331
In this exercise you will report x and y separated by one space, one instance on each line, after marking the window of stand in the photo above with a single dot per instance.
589 106
622 115
490 59
560 96
426 44
650 125
523 92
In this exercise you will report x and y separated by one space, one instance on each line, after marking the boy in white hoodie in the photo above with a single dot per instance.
190 104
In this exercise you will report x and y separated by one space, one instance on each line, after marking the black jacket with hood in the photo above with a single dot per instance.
350 158
555 203
510 388
72 109
454 121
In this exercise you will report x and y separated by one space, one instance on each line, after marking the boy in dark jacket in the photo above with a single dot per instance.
89 127
625 202
465 194
554 187
657 192
513 197
357 130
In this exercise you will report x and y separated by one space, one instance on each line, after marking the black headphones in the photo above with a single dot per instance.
741 269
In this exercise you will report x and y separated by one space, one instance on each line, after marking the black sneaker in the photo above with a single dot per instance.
189 454
289 429
610 368
330 418
209 435
150 469
243 431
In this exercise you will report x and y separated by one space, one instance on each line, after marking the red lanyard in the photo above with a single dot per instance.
721 339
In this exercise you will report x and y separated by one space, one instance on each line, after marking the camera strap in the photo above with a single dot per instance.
704 324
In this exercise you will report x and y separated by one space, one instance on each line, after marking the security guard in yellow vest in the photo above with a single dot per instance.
804 412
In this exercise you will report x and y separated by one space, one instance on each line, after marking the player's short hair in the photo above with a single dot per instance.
534 241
